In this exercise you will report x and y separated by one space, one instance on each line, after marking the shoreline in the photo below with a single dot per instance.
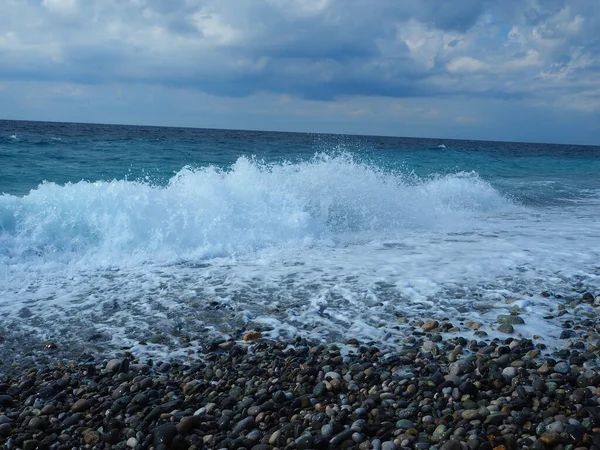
432 392
553 322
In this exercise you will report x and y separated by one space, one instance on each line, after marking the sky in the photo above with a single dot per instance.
511 70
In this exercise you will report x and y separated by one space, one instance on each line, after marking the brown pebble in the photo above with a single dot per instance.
336 386
337 360
550 438
543 369
473 325
252 336
430 325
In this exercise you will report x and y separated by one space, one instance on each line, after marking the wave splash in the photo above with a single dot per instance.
208 212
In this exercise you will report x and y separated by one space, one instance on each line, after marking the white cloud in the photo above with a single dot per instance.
529 51
300 8
60 6
214 29
467 64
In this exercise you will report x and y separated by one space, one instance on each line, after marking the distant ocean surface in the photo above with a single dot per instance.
154 239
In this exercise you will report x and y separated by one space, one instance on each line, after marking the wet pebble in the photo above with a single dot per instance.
5 429
484 393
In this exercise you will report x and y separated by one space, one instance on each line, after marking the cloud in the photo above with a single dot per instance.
467 64
315 46
543 52
60 6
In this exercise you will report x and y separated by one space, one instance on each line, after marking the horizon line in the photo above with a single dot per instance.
255 130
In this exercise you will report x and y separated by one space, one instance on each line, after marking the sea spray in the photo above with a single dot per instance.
207 212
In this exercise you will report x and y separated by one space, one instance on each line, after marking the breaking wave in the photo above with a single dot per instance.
207 212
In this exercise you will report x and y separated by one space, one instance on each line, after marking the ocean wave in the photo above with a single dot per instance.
207 212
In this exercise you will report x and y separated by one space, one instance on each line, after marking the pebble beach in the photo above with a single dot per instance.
435 390
171 288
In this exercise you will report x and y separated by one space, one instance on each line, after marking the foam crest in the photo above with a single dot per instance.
208 212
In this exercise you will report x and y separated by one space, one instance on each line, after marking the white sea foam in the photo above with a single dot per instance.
328 247
208 212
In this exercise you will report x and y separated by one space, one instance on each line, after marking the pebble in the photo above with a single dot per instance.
320 389
470 414
430 325
279 397
451 445
405 423
164 434
555 427
439 433
30 444
81 405
332 376
5 429
506 328
430 347
340 437
510 319
304 442
461 367
252 336
509 372
327 431
358 425
550 438
188 423
113 364
389 445
543 369
562 367
491 394
243 425
274 437
37 423
6 401
91 437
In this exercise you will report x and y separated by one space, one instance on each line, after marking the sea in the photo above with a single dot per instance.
159 240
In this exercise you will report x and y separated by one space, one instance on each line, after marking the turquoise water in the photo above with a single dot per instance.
296 234
33 152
